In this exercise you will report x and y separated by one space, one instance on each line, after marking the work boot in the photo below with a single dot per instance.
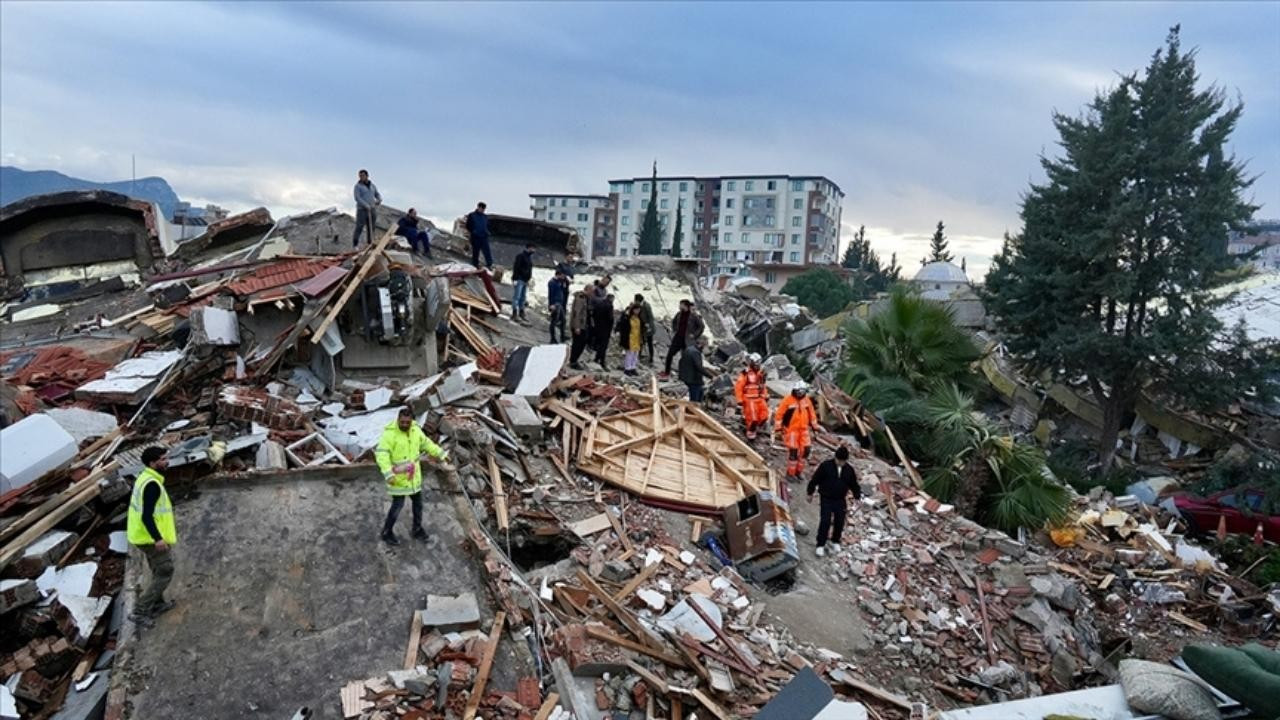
164 607
575 365
522 316
420 535
141 619
390 538
751 434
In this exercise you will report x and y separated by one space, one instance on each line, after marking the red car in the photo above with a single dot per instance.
1202 514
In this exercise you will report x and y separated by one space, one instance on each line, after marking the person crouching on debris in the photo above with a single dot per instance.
834 480
752 395
631 337
407 228
690 369
794 419
402 446
149 527
580 323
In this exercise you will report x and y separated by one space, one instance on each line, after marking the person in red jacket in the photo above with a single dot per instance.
752 395
795 418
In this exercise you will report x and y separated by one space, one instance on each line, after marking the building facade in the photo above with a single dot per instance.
592 216
1261 237
735 224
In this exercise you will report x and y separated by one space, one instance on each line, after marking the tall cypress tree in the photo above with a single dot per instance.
650 242
938 246
1111 277
678 236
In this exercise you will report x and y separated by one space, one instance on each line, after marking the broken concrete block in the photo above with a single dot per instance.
32 447
270 456
215 326
418 681
83 424
524 421
45 551
78 615
654 599
617 571
451 613
16 593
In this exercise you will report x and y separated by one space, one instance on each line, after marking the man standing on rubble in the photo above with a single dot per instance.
580 323
407 228
795 419
646 316
752 395
149 527
686 327
367 201
402 446
834 480
521 274
602 328
558 301
478 231
690 369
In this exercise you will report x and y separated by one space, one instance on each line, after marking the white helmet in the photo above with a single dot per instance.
800 386
754 358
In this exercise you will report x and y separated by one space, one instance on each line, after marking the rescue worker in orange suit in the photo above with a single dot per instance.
752 395
795 418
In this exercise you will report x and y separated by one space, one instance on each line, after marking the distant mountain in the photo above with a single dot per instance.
16 184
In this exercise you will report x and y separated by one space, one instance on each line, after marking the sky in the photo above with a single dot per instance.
920 112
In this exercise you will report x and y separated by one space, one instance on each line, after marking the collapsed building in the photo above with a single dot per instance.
601 547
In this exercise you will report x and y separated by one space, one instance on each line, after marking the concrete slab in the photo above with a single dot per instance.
83 424
32 447
526 423
215 326
284 594
451 613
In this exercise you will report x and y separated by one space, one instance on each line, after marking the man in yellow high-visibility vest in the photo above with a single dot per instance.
150 527
402 445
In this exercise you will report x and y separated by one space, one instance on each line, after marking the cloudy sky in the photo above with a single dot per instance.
919 111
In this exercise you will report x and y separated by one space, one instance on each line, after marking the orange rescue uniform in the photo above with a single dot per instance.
794 419
752 396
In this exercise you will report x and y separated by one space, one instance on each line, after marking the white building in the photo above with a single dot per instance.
940 280
736 224
592 216
1262 236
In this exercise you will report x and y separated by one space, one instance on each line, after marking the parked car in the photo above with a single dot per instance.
1241 507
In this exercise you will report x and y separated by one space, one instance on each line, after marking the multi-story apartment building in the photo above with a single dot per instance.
592 216
735 224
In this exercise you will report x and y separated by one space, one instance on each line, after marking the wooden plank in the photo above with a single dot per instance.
695 530
902 458
52 518
352 284
896 700
635 582
648 676
35 514
624 616
591 525
600 632
415 638
353 702
724 637
710 704
548 706
617 528
486 664
499 495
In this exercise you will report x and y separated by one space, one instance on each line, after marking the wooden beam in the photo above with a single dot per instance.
902 458
415 637
499 494
600 632
548 705
624 616
54 516
724 638
898 701
710 704
648 676
617 528
34 515
486 664
635 582
353 282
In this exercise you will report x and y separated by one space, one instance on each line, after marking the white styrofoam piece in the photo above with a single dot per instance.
83 424
377 399
46 541
71 580
542 366
118 542
357 434
32 447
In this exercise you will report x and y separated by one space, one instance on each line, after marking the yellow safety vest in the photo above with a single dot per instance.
400 446
135 530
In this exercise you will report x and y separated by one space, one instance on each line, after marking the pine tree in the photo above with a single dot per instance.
893 273
1111 276
871 277
679 233
938 247
855 255
650 242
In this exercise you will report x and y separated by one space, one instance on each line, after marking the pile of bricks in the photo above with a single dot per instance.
41 662
253 405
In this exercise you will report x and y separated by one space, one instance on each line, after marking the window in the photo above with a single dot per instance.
626 204
797 185
732 185
746 238
662 203
748 202
644 187
728 221
748 219
768 203
797 204
700 206
644 203
728 238
728 202
770 277
702 187
795 221
813 238
626 219
582 217
772 185
628 187
665 186
768 220
795 238
564 216
697 223
795 257
749 185
684 187
584 203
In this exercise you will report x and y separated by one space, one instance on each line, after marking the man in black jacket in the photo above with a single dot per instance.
521 274
833 480
602 327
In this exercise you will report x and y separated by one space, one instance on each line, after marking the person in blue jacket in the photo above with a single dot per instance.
407 228
558 300
478 229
